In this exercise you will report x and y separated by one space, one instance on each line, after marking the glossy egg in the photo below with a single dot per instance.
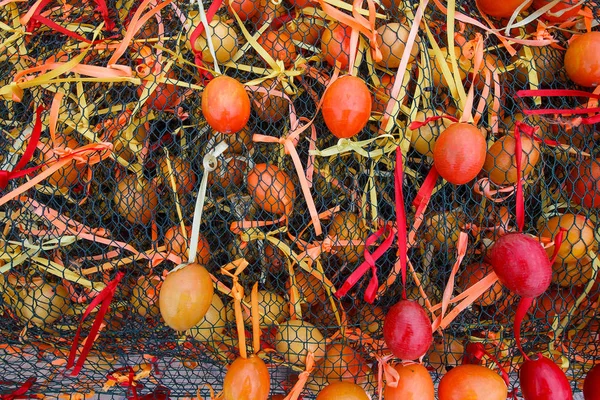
346 106
472 382
501 9
415 384
521 264
348 226
225 105
578 239
342 391
542 379
185 297
247 379
136 199
335 44
582 60
459 153
407 330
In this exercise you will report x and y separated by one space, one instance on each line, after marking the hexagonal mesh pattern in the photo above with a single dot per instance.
118 130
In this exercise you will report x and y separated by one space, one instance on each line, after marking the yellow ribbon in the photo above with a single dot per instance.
346 145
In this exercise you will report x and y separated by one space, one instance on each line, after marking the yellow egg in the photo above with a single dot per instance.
224 40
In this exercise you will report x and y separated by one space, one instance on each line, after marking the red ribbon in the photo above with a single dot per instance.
474 352
282 20
524 305
518 154
557 243
103 299
369 263
20 391
18 171
563 93
212 10
418 124
37 20
400 217
424 193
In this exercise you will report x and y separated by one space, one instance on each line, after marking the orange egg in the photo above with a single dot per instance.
279 45
311 289
501 161
136 199
415 384
459 153
306 29
270 107
472 382
342 391
247 379
347 106
392 41
224 39
342 362
177 244
582 60
335 44
501 9
70 174
185 297
577 273
578 239
348 226
271 188
182 174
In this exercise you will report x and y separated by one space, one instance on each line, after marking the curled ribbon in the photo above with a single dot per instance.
369 263
210 163
296 391
384 369
461 249
20 391
103 299
484 188
90 154
474 352
18 172
346 145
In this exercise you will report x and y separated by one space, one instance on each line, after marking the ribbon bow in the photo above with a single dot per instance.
369 263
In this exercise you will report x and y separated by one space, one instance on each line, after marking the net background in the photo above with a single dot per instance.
129 335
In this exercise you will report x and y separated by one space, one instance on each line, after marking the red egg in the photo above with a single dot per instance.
542 379
459 153
226 105
584 183
591 384
407 330
347 106
521 264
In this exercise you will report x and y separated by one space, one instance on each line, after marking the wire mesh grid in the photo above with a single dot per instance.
128 124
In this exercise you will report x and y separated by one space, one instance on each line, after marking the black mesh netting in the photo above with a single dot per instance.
94 209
